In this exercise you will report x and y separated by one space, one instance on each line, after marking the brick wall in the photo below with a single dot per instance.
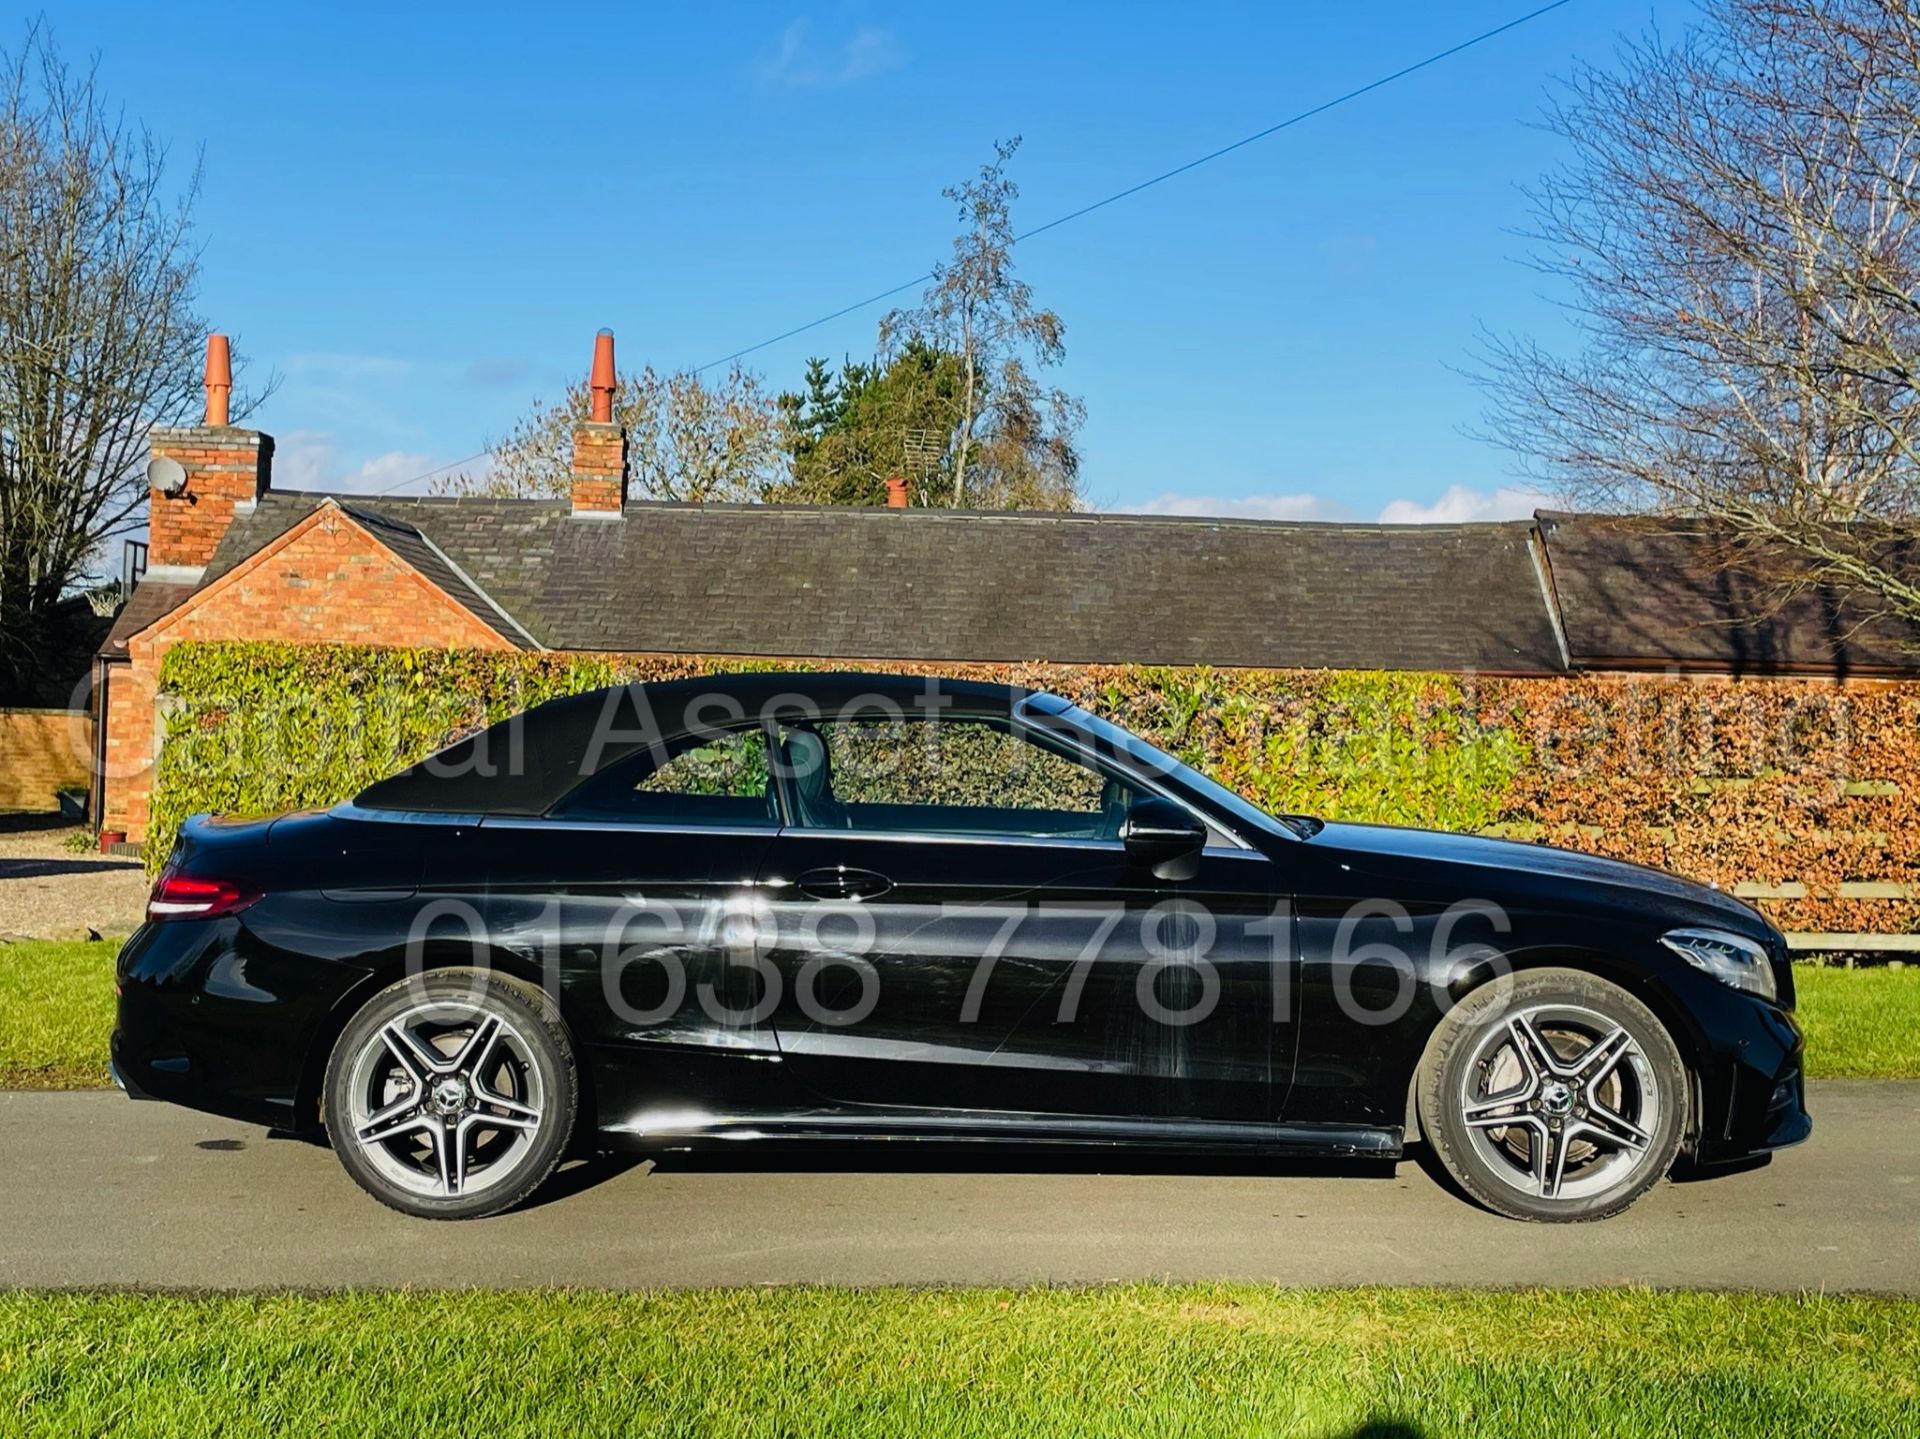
599 468
42 752
324 582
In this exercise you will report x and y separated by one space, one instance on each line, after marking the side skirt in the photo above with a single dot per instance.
648 1129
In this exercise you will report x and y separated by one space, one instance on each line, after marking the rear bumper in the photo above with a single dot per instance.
212 1019
122 1083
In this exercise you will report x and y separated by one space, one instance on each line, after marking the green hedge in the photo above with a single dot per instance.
253 729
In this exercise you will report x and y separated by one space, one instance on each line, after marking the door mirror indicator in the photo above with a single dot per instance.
1161 836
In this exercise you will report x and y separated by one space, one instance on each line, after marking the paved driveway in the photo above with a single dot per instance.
98 1190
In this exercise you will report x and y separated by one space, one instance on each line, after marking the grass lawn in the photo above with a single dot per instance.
56 1010
1860 1023
1132 1360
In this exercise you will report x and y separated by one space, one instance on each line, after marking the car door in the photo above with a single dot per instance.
960 936
629 893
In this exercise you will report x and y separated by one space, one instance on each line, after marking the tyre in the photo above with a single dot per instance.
1553 1095
452 1094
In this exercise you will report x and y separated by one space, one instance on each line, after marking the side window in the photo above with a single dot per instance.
714 780
961 776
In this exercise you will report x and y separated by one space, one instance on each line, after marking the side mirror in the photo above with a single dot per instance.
1161 836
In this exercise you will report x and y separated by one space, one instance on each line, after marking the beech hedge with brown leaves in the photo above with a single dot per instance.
1799 787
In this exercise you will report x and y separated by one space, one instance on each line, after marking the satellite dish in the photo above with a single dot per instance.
166 475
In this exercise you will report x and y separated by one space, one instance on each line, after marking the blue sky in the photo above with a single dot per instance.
417 216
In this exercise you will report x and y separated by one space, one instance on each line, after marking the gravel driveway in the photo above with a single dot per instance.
49 892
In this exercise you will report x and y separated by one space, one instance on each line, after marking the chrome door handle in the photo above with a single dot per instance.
837 881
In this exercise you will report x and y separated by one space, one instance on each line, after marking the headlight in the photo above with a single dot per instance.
1730 958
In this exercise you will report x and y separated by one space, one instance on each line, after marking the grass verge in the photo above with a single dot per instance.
56 1010
1860 1023
1130 1360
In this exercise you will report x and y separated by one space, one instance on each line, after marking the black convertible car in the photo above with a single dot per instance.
795 907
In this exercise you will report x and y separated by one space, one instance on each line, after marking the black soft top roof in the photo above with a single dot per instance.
527 764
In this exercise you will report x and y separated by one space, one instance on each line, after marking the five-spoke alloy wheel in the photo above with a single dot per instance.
452 1094
1553 1095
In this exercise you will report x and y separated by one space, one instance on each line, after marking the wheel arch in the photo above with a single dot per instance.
1633 979
393 967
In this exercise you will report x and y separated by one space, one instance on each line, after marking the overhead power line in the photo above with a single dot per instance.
1163 177
1354 94
429 474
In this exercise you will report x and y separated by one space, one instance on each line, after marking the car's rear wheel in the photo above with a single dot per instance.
452 1094
1554 1095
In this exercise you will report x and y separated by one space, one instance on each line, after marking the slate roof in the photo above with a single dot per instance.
1567 591
151 599
1656 593
847 583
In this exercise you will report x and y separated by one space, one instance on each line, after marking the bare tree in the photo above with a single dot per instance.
99 338
687 440
1739 231
1012 446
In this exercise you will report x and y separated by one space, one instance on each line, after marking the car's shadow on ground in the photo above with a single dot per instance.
582 1173
893 1157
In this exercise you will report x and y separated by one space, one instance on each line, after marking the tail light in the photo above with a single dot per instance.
189 896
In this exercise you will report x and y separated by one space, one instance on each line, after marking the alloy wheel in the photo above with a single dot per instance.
445 1100
1560 1102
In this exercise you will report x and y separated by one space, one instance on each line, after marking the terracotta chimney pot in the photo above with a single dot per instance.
219 379
601 382
896 492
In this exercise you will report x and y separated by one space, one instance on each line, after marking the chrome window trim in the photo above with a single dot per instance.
619 826
347 809
934 836
910 836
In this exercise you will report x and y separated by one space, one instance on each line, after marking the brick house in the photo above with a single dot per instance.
230 557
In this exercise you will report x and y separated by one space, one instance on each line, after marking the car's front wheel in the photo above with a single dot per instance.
452 1094
1553 1095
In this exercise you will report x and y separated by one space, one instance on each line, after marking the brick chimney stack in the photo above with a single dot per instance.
202 475
599 444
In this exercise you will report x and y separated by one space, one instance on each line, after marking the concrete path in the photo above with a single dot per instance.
98 1190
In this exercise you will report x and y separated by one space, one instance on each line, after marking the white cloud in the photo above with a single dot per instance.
1245 507
800 62
391 471
870 50
1460 504
303 460
311 460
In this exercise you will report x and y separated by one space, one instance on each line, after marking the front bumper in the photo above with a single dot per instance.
1752 1081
